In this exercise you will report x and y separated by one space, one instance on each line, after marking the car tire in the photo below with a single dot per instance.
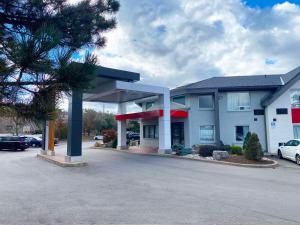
279 154
298 159
33 145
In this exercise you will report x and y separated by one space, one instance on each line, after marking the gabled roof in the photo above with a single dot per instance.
290 78
252 82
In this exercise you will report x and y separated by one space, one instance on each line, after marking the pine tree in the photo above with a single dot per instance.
37 41
246 140
253 149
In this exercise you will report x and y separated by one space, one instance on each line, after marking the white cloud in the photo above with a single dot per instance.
174 42
286 7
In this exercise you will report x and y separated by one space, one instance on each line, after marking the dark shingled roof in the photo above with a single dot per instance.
241 82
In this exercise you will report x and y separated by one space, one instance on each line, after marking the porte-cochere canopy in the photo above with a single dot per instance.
116 86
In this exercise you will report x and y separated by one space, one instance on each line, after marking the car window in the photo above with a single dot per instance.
13 139
4 139
296 143
289 143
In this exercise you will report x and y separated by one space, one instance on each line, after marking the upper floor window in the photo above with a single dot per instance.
206 102
238 101
295 98
149 105
179 100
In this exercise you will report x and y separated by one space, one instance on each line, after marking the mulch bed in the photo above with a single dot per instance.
242 160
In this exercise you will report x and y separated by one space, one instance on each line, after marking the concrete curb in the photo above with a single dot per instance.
59 162
273 165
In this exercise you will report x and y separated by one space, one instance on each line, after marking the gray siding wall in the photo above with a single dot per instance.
229 120
197 117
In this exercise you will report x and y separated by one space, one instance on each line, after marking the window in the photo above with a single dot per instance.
207 134
150 131
292 143
206 102
282 111
295 98
179 99
238 101
297 132
241 132
259 112
149 105
289 143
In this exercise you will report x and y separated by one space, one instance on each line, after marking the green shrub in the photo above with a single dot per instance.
226 148
246 139
177 147
115 142
253 149
181 150
236 150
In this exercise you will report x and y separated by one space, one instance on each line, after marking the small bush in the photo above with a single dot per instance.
177 147
253 149
109 135
226 148
207 150
115 143
236 150
181 150
246 139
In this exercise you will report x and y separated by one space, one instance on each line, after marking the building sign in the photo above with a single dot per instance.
273 125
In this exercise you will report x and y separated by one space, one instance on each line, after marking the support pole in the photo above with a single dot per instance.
48 138
74 148
164 124
122 128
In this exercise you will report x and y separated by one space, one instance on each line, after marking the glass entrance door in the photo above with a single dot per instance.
177 133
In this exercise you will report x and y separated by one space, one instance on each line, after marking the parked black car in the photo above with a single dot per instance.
34 142
13 143
133 136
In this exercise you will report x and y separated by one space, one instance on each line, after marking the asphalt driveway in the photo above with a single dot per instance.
123 188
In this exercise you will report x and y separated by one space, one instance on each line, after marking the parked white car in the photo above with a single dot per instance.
98 138
290 150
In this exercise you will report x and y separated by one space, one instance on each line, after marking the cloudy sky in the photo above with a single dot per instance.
175 42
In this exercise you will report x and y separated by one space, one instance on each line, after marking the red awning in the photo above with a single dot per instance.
152 114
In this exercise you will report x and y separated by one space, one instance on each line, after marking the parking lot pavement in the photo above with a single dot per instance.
285 163
123 188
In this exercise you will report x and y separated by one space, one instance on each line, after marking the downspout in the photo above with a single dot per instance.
266 132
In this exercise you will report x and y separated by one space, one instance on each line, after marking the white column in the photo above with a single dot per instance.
121 128
164 124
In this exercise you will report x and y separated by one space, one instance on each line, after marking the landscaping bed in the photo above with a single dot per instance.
242 160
